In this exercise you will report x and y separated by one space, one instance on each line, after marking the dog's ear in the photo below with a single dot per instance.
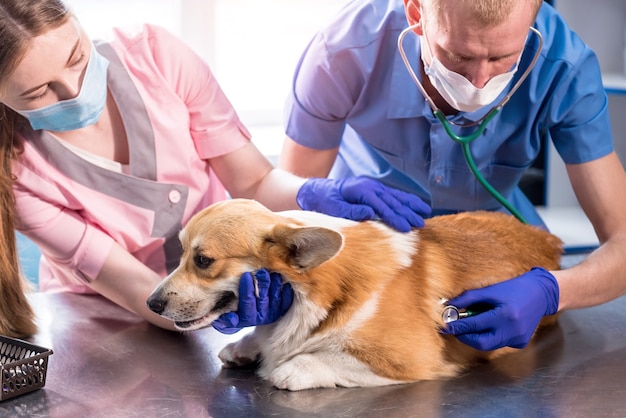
307 247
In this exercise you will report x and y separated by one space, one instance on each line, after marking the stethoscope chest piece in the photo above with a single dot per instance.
450 313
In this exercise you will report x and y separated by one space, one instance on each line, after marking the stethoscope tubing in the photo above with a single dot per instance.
465 141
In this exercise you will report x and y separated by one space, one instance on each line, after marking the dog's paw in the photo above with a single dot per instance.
287 377
239 354
301 372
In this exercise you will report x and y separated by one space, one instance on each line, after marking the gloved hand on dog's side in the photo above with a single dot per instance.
362 198
518 306
274 299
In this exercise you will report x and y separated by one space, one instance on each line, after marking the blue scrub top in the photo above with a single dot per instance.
352 90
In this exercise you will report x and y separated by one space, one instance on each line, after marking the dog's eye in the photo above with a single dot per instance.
202 262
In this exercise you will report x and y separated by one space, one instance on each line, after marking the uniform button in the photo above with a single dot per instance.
438 179
174 196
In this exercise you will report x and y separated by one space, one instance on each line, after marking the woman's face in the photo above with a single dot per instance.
51 70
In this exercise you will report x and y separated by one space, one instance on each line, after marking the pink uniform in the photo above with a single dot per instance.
176 117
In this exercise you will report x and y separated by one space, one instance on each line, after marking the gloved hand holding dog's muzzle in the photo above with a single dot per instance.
518 305
362 198
273 300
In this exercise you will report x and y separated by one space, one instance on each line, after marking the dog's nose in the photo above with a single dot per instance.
157 305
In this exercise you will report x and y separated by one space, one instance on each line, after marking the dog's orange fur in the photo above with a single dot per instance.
455 253
340 271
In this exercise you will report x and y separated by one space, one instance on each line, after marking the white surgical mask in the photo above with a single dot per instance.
457 90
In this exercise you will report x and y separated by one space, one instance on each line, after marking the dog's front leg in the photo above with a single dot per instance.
243 352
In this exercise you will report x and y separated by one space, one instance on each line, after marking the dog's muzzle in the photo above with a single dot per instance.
156 305
226 302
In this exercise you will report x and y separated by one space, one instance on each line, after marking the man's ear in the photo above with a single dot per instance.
413 10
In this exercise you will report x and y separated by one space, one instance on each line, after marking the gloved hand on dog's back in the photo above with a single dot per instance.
274 299
362 198
518 305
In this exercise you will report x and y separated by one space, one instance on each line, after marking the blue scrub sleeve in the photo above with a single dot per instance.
321 97
580 105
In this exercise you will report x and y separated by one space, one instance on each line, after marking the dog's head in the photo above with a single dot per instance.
228 239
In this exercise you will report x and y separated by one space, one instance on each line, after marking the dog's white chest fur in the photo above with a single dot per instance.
294 359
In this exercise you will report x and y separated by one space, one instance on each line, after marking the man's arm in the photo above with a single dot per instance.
600 187
520 303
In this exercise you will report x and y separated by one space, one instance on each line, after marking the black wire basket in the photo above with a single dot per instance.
23 367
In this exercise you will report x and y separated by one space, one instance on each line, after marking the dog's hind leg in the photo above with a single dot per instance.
325 369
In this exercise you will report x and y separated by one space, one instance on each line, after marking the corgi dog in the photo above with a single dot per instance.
367 307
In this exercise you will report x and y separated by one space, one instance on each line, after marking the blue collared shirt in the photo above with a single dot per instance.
352 90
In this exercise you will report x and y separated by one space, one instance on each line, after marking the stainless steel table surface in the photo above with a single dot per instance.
109 363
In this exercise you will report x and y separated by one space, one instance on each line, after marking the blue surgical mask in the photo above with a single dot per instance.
84 109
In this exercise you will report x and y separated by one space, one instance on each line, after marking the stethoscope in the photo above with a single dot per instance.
450 313
482 123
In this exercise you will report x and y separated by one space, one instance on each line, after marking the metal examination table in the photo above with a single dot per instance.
109 363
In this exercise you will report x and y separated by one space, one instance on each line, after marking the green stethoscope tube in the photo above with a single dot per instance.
465 143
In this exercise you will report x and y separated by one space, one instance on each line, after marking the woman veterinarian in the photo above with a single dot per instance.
108 149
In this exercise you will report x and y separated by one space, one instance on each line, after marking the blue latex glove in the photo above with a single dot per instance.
362 198
273 301
518 306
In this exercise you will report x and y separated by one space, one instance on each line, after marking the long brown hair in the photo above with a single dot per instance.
20 21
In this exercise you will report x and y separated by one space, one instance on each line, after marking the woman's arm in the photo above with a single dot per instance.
79 253
246 173
304 161
126 281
